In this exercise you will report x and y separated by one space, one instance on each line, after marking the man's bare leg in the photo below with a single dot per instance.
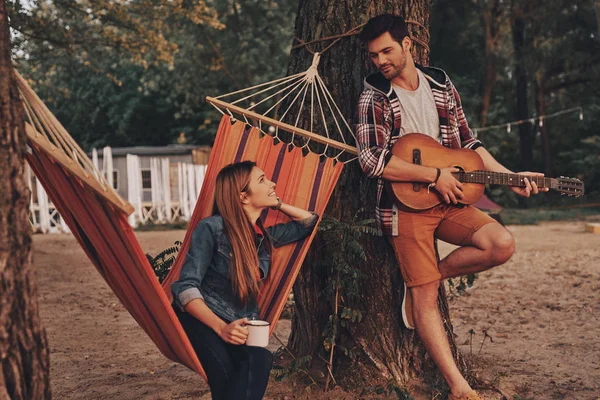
429 327
490 246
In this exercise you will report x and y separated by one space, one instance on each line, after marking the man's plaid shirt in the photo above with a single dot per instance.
378 128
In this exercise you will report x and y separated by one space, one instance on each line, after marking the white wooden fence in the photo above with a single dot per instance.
175 188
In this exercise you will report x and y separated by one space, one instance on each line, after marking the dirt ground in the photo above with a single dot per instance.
541 309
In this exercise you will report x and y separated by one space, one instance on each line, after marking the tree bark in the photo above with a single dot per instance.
23 348
385 350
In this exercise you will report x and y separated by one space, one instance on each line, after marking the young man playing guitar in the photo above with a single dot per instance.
403 98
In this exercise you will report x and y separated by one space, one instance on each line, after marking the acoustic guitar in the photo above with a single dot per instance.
417 148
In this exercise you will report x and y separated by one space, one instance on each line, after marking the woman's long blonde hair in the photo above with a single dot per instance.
232 181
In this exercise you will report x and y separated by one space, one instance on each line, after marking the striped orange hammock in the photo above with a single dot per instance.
97 216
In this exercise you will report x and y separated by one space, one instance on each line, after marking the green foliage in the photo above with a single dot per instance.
162 263
109 86
583 161
136 73
458 286
534 216
296 366
151 226
562 49
82 28
345 254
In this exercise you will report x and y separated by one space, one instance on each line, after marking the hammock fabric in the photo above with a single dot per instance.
103 231
305 181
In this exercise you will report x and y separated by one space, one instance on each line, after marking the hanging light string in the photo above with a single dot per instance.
540 120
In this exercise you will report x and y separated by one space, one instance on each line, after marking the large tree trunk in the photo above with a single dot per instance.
23 350
384 349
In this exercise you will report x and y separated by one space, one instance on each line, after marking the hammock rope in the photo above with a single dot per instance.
45 131
53 130
300 89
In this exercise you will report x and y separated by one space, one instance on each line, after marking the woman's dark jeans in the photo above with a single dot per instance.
233 371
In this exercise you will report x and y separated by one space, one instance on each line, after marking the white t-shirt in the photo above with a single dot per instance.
418 109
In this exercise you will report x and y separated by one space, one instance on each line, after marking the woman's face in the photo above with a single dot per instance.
261 191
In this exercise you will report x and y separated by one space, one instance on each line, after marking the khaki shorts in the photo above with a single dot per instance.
414 245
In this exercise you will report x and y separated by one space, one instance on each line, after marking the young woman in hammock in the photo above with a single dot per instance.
216 293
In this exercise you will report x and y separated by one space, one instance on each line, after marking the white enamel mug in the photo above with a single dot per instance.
258 333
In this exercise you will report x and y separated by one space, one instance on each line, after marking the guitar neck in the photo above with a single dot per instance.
501 178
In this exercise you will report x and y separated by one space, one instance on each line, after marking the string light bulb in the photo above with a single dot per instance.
539 119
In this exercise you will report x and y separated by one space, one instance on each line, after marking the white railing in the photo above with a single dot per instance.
170 202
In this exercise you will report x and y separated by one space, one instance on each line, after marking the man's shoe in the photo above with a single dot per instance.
407 314
472 395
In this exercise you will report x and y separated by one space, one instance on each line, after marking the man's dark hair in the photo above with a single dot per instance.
381 24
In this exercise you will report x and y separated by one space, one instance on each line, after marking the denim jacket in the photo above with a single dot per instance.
205 271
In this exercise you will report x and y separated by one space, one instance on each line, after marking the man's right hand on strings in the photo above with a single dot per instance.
448 186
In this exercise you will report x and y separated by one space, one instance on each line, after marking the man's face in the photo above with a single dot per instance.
388 55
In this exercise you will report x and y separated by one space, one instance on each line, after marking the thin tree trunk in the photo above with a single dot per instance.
540 104
23 350
385 350
597 8
488 15
526 136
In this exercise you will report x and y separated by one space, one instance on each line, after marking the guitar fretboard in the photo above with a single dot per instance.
501 178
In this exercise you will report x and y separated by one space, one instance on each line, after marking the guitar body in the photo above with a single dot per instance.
417 148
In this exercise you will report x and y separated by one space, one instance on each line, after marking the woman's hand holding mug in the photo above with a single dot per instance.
235 332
